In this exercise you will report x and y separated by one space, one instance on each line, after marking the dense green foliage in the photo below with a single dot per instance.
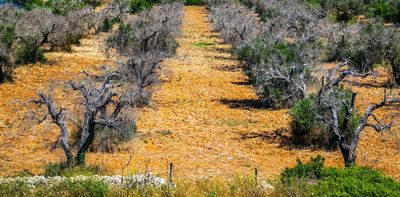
313 179
346 10
7 38
305 128
29 52
140 5
194 2
60 7
137 6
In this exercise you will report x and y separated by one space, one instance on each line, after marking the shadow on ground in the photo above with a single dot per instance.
245 103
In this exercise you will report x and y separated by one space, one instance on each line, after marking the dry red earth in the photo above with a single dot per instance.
197 121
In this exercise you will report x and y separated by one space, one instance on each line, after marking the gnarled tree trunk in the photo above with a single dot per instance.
87 136
396 73
349 153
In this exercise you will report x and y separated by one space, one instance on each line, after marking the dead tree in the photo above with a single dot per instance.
103 100
154 30
330 102
141 73
115 11
58 117
236 23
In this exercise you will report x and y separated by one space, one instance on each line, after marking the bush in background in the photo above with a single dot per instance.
236 23
364 46
347 10
153 30
29 52
7 37
194 2
140 5
279 70
107 139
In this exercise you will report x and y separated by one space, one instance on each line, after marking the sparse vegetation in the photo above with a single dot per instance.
287 103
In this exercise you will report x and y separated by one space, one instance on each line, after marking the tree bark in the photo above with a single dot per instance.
87 137
65 144
1 74
348 153
396 73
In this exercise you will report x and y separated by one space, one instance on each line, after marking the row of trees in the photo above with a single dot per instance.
106 101
25 34
279 52
364 44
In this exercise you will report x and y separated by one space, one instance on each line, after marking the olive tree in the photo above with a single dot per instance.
152 30
346 127
103 98
236 23
6 40
365 46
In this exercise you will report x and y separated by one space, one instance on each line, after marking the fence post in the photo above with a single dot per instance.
171 166
256 174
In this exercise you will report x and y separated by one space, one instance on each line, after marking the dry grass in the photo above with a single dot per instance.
196 121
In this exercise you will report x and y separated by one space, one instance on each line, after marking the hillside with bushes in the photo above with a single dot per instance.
199 98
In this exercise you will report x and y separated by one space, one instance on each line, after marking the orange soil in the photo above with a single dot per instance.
196 121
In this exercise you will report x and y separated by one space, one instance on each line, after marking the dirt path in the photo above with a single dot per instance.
197 121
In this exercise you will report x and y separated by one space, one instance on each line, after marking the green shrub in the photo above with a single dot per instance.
28 53
140 5
57 169
388 10
15 188
393 56
108 24
310 170
107 139
28 4
313 179
194 2
7 38
305 129
346 10
62 7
